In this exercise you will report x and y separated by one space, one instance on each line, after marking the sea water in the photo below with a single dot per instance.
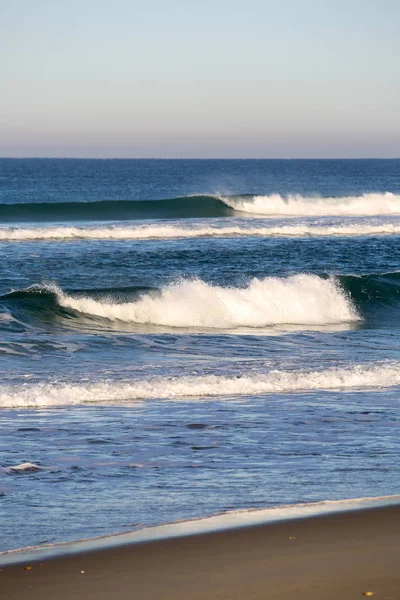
184 338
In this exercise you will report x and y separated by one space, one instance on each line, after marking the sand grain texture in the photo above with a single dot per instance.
320 558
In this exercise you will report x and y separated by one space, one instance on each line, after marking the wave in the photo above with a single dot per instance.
196 387
372 290
298 300
304 300
202 206
110 210
296 205
142 232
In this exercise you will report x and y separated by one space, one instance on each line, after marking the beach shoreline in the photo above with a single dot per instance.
340 554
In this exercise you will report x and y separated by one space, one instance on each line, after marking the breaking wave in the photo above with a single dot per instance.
202 206
194 387
295 205
142 232
299 299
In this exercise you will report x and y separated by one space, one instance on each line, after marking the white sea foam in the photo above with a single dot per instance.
298 299
197 387
143 232
296 205
23 467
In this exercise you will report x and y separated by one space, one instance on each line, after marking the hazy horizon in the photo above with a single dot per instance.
216 80
205 158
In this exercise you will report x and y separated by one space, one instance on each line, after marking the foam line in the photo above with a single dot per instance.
199 387
126 232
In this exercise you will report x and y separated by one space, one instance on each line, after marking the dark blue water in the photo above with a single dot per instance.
180 338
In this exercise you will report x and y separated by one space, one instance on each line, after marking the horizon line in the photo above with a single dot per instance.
197 158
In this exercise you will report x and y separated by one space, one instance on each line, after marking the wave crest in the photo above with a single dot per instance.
202 206
296 205
298 299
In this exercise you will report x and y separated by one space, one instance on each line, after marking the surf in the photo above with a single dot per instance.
302 299
202 206
199 387
174 231
263 304
296 205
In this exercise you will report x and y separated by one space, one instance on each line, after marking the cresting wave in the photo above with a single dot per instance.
202 206
143 232
295 205
298 299
197 387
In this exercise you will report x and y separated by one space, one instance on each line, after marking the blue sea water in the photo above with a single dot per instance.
182 338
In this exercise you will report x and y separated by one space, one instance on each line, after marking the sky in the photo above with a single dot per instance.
182 79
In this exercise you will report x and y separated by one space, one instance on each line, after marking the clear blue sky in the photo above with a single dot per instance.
256 78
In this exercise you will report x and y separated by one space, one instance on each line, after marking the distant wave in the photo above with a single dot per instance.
111 210
198 387
295 205
143 232
202 206
299 299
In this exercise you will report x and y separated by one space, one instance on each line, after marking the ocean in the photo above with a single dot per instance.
183 338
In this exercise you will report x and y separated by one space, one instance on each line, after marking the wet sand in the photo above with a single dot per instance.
340 555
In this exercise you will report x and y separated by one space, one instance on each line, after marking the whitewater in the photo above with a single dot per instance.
297 205
300 299
184 338
199 387
143 232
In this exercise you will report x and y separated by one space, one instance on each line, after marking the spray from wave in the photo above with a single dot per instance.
299 299
296 205
142 232
193 387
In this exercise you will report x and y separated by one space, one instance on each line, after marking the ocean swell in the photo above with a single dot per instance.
111 210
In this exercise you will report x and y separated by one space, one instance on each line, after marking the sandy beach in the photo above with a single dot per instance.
199 300
339 555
